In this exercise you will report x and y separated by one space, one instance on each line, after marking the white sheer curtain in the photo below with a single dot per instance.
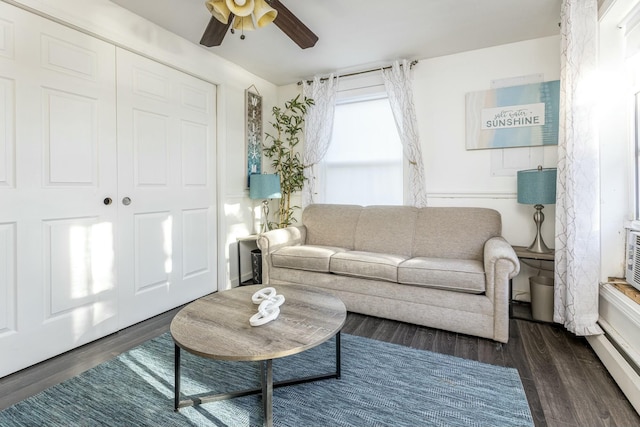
577 258
317 129
397 82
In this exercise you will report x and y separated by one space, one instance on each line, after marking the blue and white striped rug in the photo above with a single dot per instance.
382 384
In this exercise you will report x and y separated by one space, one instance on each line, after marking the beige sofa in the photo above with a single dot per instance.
446 268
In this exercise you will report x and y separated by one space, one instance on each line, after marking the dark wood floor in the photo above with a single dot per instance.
565 383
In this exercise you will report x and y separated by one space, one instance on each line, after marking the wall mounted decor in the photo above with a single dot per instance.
515 116
253 107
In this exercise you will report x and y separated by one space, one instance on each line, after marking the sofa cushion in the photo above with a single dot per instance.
368 265
386 229
459 233
442 273
305 257
331 225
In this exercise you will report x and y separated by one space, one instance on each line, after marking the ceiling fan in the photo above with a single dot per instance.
247 15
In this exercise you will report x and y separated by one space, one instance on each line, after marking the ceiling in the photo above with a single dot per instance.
360 34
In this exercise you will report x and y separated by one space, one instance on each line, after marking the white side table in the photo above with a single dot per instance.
244 241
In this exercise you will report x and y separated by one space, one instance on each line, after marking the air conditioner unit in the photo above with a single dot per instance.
633 258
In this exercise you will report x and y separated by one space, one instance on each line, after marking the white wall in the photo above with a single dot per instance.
456 176
463 177
116 25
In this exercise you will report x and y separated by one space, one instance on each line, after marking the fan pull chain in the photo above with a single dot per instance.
233 31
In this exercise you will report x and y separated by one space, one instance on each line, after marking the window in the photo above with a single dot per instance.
364 163
633 65
637 158
631 27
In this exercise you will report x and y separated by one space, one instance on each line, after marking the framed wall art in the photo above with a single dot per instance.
253 108
515 116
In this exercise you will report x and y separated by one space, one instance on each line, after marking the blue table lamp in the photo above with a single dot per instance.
537 187
264 186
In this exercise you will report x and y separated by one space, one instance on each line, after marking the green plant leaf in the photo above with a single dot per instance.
280 148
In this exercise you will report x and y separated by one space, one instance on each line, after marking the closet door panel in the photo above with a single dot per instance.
151 148
6 38
7 132
195 249
79 263
195 168
153 247
166 147
8 282
70 126
57 165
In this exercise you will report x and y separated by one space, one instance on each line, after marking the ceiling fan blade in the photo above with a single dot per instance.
292 26
215 32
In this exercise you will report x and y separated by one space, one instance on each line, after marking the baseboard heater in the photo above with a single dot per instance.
619 347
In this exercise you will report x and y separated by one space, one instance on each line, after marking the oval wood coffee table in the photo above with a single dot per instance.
217 327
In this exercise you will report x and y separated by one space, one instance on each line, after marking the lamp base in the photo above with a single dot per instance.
538 245
264 227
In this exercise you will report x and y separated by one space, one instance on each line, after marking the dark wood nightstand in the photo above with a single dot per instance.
524 254
243 243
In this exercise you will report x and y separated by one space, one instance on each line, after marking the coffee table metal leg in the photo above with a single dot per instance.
338 357
176 398
266 385
266 378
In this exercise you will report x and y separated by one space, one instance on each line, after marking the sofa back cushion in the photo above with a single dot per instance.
386 229
454 232
331 225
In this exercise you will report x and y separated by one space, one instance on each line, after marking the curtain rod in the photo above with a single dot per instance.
355 73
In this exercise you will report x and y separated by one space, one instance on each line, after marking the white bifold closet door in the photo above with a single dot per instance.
76 262
166 149
58 284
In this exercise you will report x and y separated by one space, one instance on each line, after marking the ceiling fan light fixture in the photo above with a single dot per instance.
241 7
263 13
243 23
219 10
250 15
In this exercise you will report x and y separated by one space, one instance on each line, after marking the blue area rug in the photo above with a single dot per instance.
382 384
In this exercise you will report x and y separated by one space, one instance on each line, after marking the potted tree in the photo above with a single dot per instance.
281 148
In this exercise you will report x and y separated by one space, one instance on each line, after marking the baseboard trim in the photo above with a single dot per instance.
622 372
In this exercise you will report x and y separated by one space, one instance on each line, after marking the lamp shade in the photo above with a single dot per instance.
264 186
537 186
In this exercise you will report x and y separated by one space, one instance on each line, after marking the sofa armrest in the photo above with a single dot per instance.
501 264
273 240
496 249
